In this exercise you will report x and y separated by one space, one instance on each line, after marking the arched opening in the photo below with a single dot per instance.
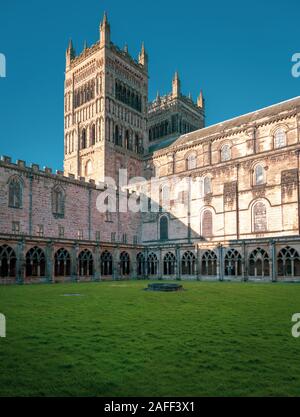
259 264
164 228
58 202
233 263
188 264
279 138
35 263
83 139
125 264
225 153
93 135
152 264
141 264
106 264
62 263
288 263
169 264
209 263
86 263
8 261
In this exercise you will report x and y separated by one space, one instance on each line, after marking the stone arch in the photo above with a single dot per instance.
86 263
152 263
125 264
259 263
106 261
188 263
62 263
8 262
169 264
209 262
233 263
288 263
35 262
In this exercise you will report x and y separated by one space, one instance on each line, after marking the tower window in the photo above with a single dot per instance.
15 193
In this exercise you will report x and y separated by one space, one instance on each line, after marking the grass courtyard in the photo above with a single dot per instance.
214 339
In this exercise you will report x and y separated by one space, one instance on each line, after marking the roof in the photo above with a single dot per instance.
162 144
238 122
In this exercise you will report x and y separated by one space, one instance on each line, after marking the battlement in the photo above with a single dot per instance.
34 169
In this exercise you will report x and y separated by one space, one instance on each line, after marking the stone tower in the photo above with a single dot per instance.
106 93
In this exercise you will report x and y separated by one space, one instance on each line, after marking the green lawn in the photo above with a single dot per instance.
117 340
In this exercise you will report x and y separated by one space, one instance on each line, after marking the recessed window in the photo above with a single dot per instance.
225 153
191 162
207 186
279 139
40 230
58 202
15 227
259 177
15 193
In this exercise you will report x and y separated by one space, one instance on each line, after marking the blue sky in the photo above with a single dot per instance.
239 53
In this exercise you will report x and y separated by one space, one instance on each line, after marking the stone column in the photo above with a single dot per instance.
116 264
220 269
160 265
21 262
74 263
198 266
178 264
244 264
49 263
273 261
97 268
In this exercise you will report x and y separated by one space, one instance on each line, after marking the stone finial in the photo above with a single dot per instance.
176 86
200 100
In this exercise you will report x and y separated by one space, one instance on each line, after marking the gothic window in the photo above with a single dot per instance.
152 264
191 162
125 263
188 264
259 218
207 186
207 224
35 263
233 263
15 191
88 168
279 138
164 228
141 264
209 263
169 264
259 177
85 263
288 263
58 202
259 265
62 263
106 264
8 262
83 139
225 153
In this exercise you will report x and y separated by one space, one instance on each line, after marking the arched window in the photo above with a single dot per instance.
259 177
207 224
207 186
164 228
225 153
88 168
35 263
259 218
62 263
8 262
288 263
106 264
191 162
15 191
259 265
209 263
85 263
188 264
169 264
58 202
141 264
83 139
279 138
125 264
152 264
233 263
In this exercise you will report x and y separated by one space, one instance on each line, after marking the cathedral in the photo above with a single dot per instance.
225 204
